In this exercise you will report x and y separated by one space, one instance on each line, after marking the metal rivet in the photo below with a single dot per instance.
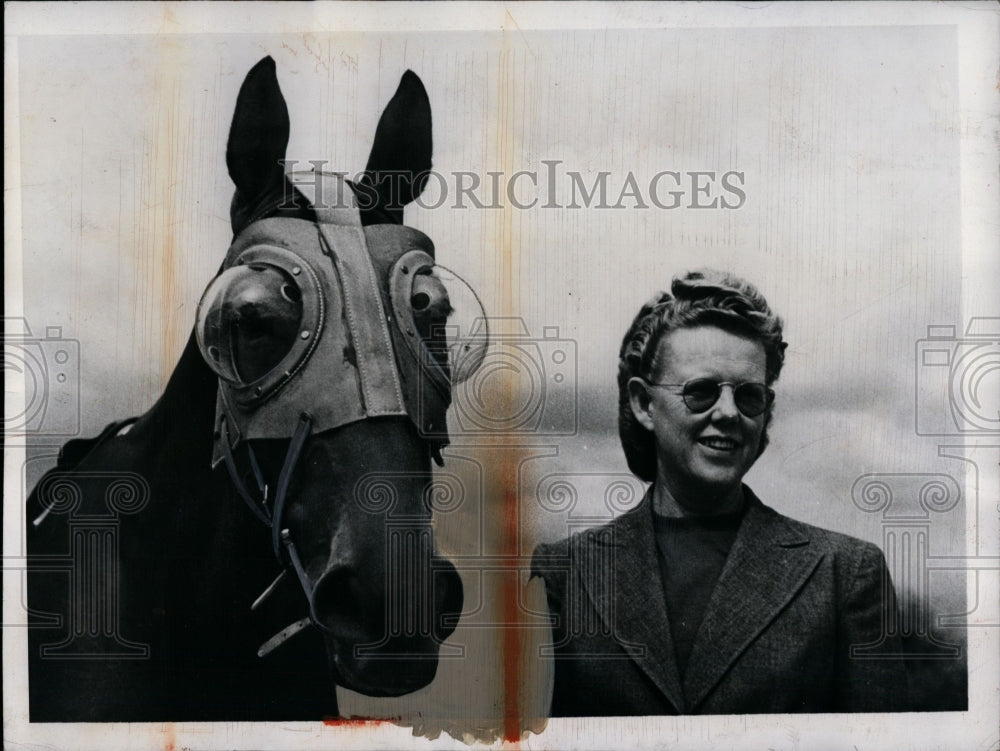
410 332
296 270
258 391
304 335
406 270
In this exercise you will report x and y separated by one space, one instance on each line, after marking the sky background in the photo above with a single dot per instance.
847 138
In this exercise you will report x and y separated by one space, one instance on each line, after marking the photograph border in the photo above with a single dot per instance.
977 25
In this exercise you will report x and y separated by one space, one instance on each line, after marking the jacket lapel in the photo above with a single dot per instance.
768 564
630 602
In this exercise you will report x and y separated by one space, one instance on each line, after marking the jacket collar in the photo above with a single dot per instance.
768 564
630 599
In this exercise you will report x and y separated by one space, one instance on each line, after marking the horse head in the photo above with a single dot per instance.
327 329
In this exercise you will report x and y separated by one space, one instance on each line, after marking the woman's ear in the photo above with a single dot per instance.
640 399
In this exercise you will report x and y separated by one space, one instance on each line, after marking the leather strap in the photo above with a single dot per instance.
234 475
259 508
285 478
280 536
381 390
331 197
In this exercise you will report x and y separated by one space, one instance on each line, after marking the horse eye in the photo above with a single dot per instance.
429 297
250 321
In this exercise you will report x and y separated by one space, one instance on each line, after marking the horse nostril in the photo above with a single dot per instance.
408 609
338 604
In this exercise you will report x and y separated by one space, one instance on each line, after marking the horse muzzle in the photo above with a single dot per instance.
389 645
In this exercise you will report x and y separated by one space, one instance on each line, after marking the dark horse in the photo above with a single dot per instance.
263 532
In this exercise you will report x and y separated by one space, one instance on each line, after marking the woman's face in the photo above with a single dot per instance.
702 456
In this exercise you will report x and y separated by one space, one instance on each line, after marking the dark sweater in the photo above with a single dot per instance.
692 552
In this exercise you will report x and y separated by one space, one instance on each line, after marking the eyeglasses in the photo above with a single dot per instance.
700 394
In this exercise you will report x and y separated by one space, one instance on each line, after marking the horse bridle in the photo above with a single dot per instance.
281 537
328 256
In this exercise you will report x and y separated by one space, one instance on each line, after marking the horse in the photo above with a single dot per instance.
263 533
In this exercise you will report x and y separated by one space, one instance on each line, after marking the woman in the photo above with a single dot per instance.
702 600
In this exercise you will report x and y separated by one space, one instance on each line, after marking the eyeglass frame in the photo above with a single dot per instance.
768 393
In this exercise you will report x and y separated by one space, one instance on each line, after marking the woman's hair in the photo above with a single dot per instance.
699 298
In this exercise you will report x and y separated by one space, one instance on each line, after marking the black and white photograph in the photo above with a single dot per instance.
501 375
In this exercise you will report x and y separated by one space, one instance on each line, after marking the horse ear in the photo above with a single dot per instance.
258 135
400 159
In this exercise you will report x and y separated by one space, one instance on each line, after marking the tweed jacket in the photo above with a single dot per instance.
796 623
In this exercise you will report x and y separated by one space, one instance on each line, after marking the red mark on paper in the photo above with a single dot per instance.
512 636
356 721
